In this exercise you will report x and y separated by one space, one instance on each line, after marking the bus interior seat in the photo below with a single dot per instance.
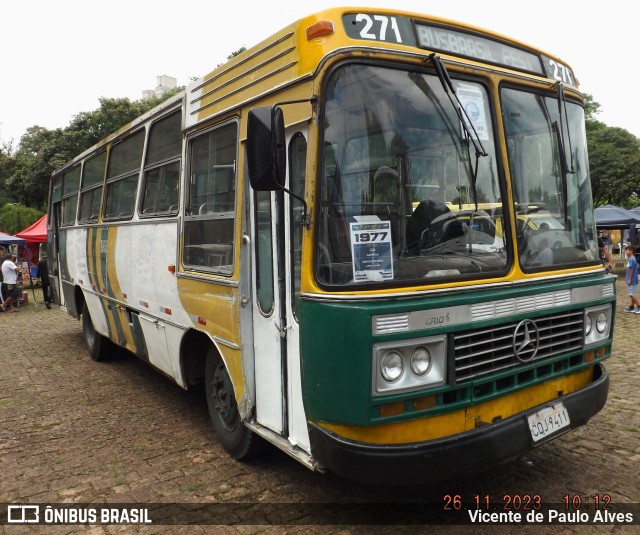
387 202
442 229
421 219
338 233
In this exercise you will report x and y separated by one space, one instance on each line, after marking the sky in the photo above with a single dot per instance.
59 57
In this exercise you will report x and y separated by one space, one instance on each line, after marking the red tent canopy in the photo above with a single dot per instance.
36 233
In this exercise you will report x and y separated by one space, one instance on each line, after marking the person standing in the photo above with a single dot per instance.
631 279
10 283
43 275
2 259
605 256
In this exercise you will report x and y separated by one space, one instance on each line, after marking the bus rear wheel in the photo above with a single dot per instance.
97 345
235 437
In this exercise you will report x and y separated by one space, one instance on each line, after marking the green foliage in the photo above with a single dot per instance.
15 218
39 152
614 163
591 107
237 52
7 168
26 171
234 54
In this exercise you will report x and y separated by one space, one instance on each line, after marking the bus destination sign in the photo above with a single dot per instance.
405 31
474 46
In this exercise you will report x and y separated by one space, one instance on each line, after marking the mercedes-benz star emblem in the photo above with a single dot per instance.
526 340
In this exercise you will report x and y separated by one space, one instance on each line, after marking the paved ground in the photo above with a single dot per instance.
72 430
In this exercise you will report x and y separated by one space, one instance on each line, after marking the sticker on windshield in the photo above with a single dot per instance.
473 103
371 250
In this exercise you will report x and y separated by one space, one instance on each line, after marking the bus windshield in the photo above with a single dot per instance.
555 224
404 198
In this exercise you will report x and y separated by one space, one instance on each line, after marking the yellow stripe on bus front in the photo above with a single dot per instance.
430 428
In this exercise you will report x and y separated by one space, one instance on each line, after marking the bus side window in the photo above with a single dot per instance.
91 188
125 159
209 224
70 186
161 186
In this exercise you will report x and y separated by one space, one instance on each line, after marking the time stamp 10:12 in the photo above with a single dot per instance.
526 502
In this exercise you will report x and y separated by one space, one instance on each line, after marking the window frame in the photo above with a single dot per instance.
161 165
225 249
119 180
89 191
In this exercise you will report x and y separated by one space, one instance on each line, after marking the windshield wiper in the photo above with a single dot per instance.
562 112
566 168
471 135
447 84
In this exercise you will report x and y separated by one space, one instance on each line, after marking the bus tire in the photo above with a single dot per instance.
238 440
97 344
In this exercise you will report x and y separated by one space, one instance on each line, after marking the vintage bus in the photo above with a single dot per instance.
333 232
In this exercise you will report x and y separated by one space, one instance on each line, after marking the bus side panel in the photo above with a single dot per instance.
139 276
97 312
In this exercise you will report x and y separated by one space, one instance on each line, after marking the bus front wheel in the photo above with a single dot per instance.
235 437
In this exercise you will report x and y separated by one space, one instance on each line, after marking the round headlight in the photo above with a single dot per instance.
601 322
420 361
391 366
588 324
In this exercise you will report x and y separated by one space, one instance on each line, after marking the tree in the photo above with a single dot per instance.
591 107
25 175
14 217
88 128
7 168
614 162
40 151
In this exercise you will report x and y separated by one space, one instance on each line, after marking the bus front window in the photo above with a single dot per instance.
555 227
398 200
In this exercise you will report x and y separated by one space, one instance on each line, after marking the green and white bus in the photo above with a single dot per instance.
332 231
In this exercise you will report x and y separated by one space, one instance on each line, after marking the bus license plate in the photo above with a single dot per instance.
548 421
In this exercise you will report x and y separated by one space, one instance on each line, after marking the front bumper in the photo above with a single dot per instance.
455 456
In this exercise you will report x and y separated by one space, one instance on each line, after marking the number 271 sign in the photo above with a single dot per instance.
371 251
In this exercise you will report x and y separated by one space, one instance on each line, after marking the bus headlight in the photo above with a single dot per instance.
600 318
391 366
420 361
408 365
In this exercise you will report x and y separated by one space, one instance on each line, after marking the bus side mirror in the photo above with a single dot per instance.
266 149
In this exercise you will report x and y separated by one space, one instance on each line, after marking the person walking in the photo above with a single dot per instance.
2 259
631 279
10 283
43 275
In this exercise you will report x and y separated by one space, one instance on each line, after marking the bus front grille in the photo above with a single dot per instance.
492 349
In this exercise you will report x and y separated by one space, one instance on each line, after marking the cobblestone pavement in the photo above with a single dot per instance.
73 430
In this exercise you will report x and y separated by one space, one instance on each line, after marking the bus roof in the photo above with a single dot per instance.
297 50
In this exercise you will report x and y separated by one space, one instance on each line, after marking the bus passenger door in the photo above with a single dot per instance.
54 254
268 330
277 245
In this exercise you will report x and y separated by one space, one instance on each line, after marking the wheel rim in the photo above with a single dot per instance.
223 399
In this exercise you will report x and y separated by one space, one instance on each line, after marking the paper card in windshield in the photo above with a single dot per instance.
371 250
